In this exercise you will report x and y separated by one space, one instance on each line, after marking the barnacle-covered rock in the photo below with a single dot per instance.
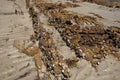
83 34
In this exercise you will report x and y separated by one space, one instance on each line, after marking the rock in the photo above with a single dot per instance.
57 69
32 50
20 45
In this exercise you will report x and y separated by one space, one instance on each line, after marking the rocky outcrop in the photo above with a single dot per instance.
83 34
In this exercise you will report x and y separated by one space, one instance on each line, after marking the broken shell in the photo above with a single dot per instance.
66 73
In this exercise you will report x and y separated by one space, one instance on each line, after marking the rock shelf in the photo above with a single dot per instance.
84 34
